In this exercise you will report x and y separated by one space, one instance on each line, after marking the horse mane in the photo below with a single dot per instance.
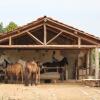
65 59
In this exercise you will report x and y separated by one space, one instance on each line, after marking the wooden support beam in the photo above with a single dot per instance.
96 63
84 38
4 39
75 35
63 25
33 37
74 29
45 33
54 37
20 33
10 41
48 46
88 40
64 35
62 30
79 42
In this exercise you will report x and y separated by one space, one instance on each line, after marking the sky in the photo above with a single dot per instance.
81 14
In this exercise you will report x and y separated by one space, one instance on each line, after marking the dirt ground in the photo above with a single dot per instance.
48 92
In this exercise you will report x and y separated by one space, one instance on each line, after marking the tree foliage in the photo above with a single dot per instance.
10 27
1 28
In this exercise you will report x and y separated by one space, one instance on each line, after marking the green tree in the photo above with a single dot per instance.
1 28
11 26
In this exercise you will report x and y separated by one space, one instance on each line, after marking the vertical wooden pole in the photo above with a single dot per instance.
96 63
79 42
10 41
45 33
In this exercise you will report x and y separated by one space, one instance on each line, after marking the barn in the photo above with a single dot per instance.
46 37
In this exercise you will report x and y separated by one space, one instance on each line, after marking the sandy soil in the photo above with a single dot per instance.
48 92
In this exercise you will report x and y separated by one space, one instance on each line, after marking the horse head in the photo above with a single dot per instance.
64 61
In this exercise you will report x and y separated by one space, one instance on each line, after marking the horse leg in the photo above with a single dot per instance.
6 77
38 74
36 78
22 76
11 78
31 78
26 79
17 76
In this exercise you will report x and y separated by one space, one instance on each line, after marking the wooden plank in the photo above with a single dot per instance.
33 37
50 75
54 37
45 33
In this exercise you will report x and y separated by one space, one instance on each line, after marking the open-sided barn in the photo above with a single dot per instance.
44 37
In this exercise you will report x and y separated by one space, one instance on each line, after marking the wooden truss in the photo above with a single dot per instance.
45 43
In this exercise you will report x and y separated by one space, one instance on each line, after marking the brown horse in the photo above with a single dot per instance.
32 73
14 70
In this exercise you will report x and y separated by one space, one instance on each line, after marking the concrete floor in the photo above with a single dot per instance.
48 92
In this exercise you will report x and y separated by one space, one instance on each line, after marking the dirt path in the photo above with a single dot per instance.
48 92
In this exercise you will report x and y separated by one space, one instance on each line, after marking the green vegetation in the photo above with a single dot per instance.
10 27
1 28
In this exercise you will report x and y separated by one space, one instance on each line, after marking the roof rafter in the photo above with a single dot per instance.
33 37
54 37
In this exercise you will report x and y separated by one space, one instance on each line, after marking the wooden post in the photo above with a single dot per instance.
10 42
96 63
45 33
79 42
